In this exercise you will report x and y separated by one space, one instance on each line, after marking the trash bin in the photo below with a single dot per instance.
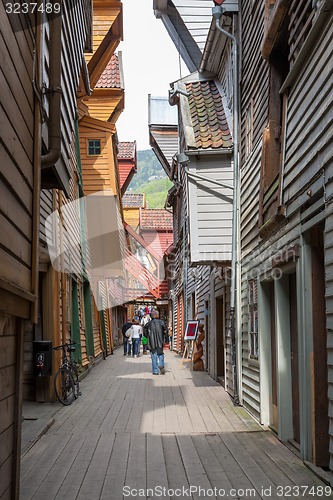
42 358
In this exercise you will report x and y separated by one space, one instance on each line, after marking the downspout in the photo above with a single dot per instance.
37 65
217 14
54 91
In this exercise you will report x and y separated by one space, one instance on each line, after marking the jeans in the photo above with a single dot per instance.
136 344
157 360
125 342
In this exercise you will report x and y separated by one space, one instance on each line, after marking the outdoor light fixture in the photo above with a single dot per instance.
173 95
182 158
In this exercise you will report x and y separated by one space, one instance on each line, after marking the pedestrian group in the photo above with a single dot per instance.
146 328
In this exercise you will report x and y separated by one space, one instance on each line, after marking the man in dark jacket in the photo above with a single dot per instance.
127 346
156 333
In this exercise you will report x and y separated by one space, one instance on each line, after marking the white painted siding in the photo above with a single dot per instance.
210 210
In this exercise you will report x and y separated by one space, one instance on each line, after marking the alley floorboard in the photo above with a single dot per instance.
178 435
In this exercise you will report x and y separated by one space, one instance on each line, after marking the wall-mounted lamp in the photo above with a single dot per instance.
173 95
182 158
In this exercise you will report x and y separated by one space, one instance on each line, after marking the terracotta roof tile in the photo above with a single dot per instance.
126 150
156 218
133 200
209 122
110 77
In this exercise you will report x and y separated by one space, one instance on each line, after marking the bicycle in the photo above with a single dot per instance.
66 380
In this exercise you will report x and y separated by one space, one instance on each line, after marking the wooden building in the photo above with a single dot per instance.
127 164
39 172
101 182
281 53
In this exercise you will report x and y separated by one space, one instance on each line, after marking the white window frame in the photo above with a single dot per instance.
253 322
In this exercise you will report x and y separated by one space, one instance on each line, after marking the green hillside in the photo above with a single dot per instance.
150 179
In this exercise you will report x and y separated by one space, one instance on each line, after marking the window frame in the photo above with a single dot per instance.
253 320
94 147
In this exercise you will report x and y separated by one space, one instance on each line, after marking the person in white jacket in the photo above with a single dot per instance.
136 336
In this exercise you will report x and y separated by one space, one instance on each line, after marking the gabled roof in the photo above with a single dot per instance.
188 24
133 200
112 77
107 34
127 163
156 218
163 130
208 127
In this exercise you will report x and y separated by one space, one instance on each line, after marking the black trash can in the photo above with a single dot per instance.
42 358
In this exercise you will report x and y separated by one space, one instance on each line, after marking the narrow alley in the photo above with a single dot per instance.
177 435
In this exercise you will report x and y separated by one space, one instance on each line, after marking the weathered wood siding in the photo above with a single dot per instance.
16 153
16 207
308 150
254 116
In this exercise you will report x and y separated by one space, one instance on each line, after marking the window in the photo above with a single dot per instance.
68 299
249 129
82 308
253 320
275 49
94 147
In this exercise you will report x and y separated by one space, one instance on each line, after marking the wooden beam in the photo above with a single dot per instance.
274 21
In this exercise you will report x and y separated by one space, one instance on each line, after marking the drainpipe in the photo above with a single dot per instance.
37 65
54 91
217 14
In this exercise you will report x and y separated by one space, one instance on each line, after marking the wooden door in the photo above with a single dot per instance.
320 376
274 407
206 325
294 356
220 343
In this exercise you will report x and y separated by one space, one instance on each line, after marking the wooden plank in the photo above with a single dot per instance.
92 483
229 465
136 476
73 479
157 478
53 480
43 465
176 472
115 478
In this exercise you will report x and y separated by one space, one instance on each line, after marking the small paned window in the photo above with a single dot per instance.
253 320
68 299
249 130
94 147
82 307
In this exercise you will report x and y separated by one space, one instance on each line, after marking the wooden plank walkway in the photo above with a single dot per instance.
177 435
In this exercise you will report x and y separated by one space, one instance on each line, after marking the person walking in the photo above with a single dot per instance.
157 334
126 344
144 339
136 336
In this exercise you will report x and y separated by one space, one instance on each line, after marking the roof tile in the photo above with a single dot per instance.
126 150
130 200
110 77
156 218
209 122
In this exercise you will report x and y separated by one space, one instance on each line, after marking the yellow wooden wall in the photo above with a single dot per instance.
132 216
97 171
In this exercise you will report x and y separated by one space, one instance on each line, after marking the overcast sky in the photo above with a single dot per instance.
150 63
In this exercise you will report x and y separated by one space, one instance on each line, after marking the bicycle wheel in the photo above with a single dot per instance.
64 386
75 375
